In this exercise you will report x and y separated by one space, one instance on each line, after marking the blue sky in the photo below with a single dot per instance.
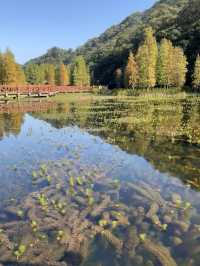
30 27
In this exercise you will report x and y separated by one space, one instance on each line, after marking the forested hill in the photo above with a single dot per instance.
55 56
177 20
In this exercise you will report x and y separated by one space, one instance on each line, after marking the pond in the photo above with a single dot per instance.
100 180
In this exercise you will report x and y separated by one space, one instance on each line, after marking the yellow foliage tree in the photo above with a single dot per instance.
50 74
21 79
9 68
147 60
179 67
63 75
165 63
11 73
131 72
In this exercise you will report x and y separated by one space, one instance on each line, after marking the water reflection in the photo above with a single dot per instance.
166 133
93 181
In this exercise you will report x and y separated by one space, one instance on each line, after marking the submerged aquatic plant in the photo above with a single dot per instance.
60 234
81 213
34 225
160 252
43 200
19 252
20 213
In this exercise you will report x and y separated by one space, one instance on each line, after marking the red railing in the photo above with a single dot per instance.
41 89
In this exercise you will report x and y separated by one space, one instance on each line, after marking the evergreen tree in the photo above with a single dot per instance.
131 72
179 67
80 73
196 75
62 76
50 74
147 60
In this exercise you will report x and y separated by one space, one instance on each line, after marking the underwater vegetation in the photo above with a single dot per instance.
164 129
81 212
73 213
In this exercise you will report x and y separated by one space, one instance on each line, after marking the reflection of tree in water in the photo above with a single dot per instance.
10 124
12 114
158 131
187 112
66 114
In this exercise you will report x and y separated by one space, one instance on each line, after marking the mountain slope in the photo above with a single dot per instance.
55 56
111 49
177 20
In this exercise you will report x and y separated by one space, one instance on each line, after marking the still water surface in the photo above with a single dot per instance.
100 181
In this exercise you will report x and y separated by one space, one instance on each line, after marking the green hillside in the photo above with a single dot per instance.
178 20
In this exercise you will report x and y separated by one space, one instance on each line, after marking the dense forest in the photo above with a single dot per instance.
176 20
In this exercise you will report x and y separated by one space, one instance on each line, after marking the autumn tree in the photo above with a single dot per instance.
21 79
50 74
42 73
80 75
142 62
165 63
147 60
196 74
62 76
131 72
11 73
2 69
150 42
179 67
9 68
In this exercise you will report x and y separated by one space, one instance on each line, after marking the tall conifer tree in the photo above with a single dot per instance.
80 73
164 64
21 79
62 75
9 68
150 42
147 60
32 73
2 69
42 73
131 72
50 74
179 67
142 62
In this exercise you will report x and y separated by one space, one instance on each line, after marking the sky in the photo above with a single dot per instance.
30 27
